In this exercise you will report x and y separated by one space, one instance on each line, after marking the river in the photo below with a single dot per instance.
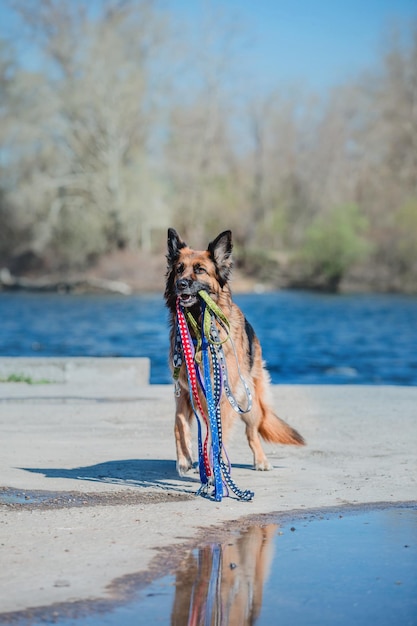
307 338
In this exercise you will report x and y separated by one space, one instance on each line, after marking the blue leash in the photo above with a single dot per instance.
212 414
220 468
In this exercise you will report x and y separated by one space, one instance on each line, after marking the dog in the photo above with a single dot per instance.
188 272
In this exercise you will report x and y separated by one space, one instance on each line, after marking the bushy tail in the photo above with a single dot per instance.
273 429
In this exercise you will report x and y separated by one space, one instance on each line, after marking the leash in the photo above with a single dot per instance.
212 406
207 340
184 346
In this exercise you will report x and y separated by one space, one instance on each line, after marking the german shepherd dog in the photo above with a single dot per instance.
188 272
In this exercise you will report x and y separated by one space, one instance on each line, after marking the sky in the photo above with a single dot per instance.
317 43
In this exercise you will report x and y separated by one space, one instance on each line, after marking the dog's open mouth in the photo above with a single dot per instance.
188 299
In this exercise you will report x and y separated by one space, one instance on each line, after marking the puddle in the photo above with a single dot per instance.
348 567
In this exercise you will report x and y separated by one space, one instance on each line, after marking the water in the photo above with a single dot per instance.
356 569
341 568
306 337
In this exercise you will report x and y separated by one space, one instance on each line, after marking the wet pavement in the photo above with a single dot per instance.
347 565
18 499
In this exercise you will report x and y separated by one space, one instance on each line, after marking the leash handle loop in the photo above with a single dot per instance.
212 308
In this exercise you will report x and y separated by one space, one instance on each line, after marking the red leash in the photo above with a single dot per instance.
188 351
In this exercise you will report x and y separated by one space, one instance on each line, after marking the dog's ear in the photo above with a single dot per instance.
220 250
175 244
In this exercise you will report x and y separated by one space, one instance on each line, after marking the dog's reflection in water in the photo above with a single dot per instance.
222 584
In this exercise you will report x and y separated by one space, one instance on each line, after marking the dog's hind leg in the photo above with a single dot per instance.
260 460
262 422
251 420
183 417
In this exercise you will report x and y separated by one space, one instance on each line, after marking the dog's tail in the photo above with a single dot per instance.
273 429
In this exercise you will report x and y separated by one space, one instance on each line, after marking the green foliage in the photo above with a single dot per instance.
333 244
21 378
272 229
405 241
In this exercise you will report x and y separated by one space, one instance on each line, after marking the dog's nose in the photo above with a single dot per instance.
183 283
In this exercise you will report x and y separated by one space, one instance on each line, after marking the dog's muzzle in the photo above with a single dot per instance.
187 290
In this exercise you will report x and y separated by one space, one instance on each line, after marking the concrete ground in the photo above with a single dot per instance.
100 439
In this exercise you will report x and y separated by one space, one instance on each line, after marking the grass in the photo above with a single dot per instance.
21 378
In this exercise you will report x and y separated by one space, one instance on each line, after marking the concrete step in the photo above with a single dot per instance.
77 370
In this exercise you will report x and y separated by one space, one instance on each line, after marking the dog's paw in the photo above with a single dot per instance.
263 466
183 467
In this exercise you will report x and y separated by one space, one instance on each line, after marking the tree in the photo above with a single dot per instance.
101 119
122 127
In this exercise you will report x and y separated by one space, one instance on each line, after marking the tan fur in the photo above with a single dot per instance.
211 268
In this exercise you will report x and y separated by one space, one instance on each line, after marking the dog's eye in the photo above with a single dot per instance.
198 269
180 268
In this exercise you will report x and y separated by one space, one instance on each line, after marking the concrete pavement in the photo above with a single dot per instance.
100 444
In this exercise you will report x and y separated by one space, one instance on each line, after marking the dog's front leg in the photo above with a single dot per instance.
183 417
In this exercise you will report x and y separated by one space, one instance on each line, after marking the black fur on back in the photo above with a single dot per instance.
250 333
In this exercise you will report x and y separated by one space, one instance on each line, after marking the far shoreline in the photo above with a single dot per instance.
87 284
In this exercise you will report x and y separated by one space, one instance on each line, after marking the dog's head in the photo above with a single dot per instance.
189 271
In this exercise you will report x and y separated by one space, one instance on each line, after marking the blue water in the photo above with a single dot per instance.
306 337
